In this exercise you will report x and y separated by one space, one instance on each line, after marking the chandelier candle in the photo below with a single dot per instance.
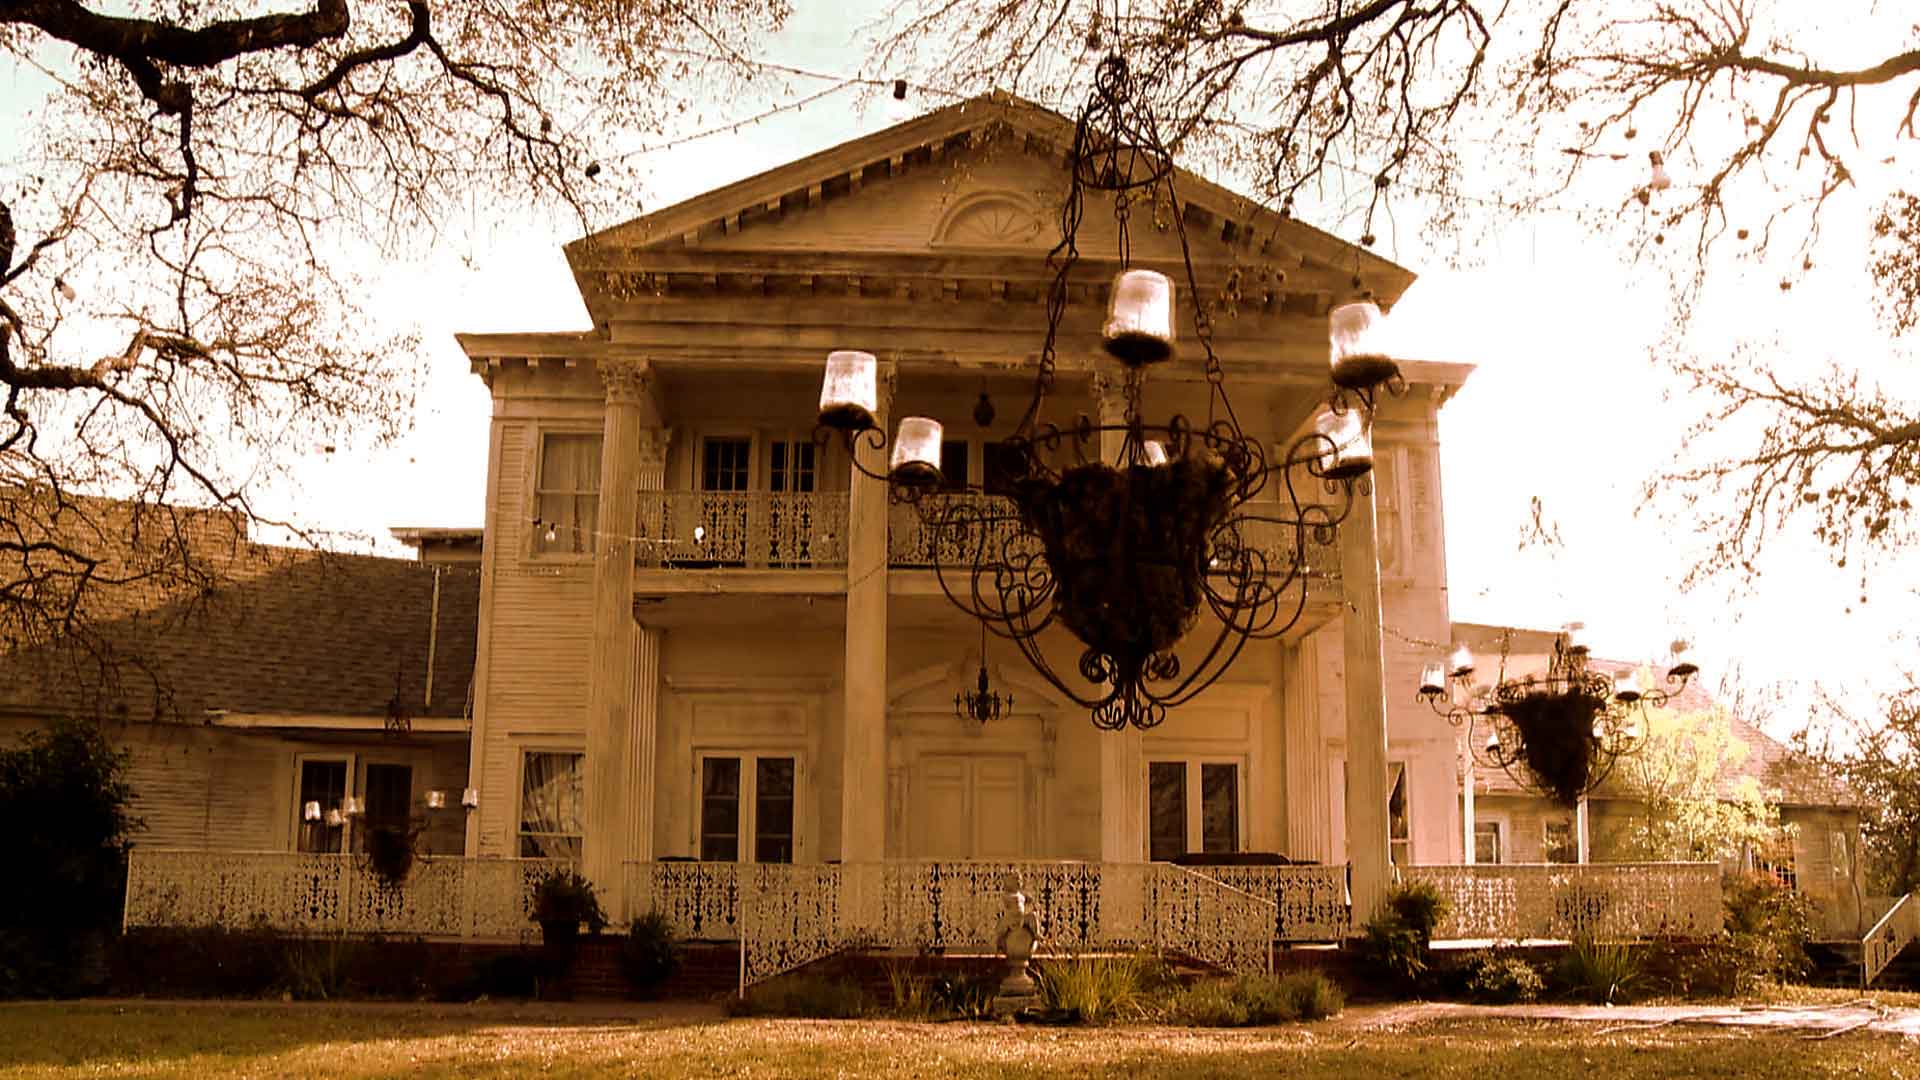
850 395
1139 326
1359 357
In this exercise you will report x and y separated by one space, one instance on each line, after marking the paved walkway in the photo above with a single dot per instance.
1817 1020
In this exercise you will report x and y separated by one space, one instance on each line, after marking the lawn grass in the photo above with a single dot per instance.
214 1041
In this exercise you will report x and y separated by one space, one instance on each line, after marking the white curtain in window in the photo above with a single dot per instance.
569 491
551 804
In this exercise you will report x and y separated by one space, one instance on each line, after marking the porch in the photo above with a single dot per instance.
785 915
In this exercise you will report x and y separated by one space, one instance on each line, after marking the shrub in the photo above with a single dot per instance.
1312 995
1102 988
1420 905
1396 941
1600 972
649 956
1249 1000
1502 980
1768 926
563 896
812 997
64 789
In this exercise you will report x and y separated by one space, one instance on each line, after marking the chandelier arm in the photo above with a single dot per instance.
1029 647
1194 685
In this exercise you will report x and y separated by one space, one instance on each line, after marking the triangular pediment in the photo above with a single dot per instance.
977 184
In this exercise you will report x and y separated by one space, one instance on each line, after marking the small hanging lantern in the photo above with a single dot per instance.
334 819
1433 679
1139 326
436 799
850 394
470 799
983 410
1155 452
1350 450
916 452
1360 358
354 806
311 812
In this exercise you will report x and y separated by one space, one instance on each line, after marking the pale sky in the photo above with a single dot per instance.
1567 404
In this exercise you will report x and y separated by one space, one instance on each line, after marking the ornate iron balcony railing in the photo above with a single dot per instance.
756 530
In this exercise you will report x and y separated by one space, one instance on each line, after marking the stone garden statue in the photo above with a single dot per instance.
1015 937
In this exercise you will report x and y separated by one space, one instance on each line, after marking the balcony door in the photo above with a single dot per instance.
969 807
791 518
722 523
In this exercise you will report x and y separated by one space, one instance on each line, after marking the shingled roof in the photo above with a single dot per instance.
287 632
1786 778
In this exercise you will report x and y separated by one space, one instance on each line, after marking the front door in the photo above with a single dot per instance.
970 807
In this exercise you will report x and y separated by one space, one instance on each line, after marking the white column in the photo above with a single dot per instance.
863 761
1582 832
1307 804
1366 699
610 672
1123 761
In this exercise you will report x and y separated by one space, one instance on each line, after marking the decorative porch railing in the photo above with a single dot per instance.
1613 902
441 897
1889 938
758 530
785 916
1213 921
1308 903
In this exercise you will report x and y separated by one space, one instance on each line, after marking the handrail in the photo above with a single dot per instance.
1888 938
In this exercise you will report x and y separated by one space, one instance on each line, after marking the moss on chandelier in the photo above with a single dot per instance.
1556 739
1128 549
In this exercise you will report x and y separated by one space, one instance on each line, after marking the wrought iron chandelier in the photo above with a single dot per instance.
981 705
1561 733
1124 534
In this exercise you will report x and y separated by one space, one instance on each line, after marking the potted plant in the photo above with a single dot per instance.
562 900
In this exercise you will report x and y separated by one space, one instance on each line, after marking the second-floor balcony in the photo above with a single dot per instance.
775 530
748 530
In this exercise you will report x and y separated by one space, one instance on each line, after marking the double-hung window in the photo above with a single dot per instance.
567 494
1192 806
747 804
552 804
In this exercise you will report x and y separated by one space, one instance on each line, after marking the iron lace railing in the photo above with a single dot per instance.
1562 901
757 530
442 896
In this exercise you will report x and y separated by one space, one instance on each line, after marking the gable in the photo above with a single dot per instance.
972 191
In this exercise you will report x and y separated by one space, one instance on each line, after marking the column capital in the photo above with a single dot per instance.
628 380
654 444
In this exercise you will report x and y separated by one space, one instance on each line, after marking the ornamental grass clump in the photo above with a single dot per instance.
1599 972
1101 989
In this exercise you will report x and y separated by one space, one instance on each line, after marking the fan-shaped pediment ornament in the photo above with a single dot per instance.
989 219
